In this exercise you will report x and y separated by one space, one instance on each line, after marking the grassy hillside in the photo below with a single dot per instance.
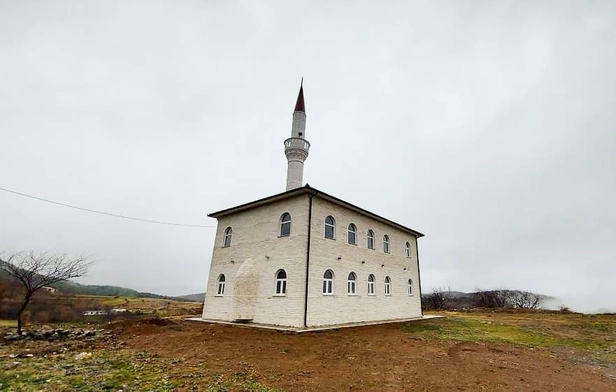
48 307
73 288
198 297
3 274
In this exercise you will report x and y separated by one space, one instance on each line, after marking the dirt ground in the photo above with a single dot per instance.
371 358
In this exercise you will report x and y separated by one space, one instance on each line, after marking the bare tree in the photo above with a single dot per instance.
35 270
493 298
438 299
526 300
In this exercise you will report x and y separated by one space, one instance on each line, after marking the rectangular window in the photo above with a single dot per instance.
370 288
330 226
328 286
227 241
351 287
281 287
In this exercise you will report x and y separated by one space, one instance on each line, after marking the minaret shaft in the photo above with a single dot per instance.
296 147
298 129
295 174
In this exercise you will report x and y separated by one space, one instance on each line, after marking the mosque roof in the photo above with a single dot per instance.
308 190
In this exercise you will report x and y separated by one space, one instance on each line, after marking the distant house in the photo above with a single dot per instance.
49 289
119 310
94 313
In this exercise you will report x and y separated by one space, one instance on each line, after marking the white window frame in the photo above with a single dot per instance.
352 284
352 229
410 291
386 243
220 287
281 284
387 285
408 249
328 283
332 225
370 239
285 222
227 237
371 285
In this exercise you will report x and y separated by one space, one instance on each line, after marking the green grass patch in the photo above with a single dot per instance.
8 323
601 327
104 371
422 326
591 337
484 330
120 370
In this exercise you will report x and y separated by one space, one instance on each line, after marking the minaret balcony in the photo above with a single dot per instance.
295 143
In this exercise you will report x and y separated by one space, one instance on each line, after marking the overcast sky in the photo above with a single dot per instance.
487 125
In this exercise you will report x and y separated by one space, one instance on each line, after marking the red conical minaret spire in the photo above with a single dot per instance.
296 147
299 105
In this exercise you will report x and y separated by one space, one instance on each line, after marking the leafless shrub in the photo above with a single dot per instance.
525 300
498 299
492 298
438 299
35 270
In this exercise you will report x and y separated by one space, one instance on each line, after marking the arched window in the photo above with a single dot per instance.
410 286
352 234
221 285
408 249
387 285
386 243
370 238
328 282
285 224
227 239
330 227
351 283
281 282
371 284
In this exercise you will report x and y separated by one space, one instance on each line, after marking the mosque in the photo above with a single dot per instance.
304 258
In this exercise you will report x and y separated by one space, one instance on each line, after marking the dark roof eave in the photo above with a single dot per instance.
256 203
362 211
307 189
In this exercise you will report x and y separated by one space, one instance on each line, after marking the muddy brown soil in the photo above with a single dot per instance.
371 358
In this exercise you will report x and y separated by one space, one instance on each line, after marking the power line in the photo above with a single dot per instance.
101 212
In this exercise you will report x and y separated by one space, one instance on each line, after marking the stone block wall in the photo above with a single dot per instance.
256 236
342 258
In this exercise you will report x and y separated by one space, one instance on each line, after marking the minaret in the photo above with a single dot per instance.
296 147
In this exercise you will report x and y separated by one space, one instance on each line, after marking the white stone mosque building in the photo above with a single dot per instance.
306 259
